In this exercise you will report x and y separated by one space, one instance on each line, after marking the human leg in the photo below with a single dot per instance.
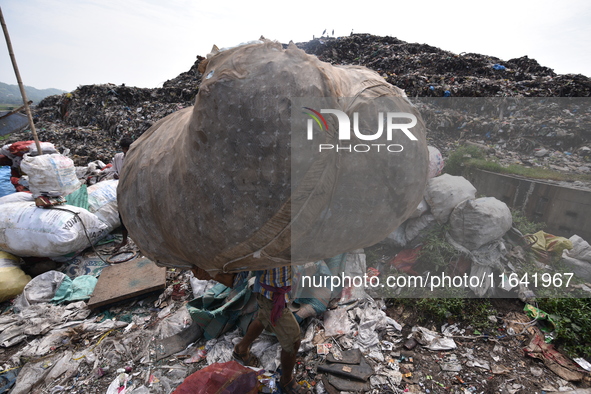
254 330
288 361
242 349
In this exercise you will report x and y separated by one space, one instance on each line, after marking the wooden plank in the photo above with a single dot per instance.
127 280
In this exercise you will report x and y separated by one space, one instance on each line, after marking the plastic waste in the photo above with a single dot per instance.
17 197
119 384
336 322
474 223
77 289
545 245
41 288
432 340
444 192
26 230
436 162
12 278
102 201
220 378
52 175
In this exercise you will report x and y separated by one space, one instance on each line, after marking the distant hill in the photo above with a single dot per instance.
11 94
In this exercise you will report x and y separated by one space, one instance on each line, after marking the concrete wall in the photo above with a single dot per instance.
565 210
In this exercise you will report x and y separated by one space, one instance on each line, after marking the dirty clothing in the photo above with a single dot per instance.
286 327
274 277
273 287
117 162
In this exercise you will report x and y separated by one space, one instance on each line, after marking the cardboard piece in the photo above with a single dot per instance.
127 280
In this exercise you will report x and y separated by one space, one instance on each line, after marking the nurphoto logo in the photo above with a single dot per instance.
344 130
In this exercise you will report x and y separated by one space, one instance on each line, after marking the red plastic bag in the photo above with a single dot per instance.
21 147
405 260
220 378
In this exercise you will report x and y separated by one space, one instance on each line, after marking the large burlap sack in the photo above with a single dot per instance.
218 186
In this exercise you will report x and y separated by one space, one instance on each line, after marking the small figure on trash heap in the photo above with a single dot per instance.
117 163
119 158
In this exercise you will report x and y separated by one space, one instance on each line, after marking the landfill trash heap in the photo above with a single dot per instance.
91 119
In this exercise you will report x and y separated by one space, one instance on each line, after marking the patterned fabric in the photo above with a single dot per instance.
274 277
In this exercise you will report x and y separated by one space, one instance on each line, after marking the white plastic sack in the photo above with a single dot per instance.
444 192
53 174
102 201
581 268
414 227
46 147
26 230
578 259
435 162
474 223
422 208
581 249
397 238
17 197
41 288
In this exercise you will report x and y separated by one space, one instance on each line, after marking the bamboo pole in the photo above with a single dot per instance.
20 84
14 111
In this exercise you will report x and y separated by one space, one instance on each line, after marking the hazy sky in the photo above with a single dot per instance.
67 43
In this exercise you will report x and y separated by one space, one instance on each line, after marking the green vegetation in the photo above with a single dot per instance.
524 225
455 164
468 156
469 311
573 323
436 250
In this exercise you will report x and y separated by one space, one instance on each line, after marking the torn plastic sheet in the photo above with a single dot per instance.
77 289
220 349
354 266
372 319
337 322
432 340
553 359
39 319
174 324
41 288
199 286
34 374
119 384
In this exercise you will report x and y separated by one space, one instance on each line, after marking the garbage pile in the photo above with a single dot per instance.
425 71
53 338
93 118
